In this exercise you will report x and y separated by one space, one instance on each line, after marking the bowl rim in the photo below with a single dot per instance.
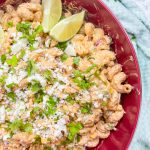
135 58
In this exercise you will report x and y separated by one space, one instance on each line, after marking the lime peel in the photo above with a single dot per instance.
67 28
52 11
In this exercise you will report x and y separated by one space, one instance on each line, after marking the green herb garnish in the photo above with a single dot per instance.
10 24
90 68
2 79
24 27
81 81
47 74
22 53
62 45
3 58
35 86
71 99
74 129
47 148
19 125
11 95
31 68
63 57
104 103
36 111
13 61
86 108
51 106
11 85
37 139
76 60
39 96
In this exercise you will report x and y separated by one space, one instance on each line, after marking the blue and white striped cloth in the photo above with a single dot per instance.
135 23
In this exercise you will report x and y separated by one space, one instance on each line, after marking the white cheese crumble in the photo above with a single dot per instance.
39 78
21 44
2 114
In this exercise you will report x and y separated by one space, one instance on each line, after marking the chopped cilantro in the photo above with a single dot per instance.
78 73
74 129
22 53
90 68
39 96
70 99
47 148
81 81
13 61
11 95
37 139
47 74
62 45
31 48
63 57
23 27
38 30
86 108
35 86
27 127
19 125
11 85
2 79
104 103
31 68
36 111
51 106
76 60
35 33
3 58
10 24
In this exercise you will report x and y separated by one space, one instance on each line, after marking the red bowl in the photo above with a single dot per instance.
101 16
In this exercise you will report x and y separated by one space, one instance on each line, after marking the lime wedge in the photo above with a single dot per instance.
67 28
1 35
52 10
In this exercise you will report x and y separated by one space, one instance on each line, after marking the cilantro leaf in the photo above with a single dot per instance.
35 86
36 111
13 61
71 99
47 74
51 106
76 60
3 58
27 127
74 129
11 95
62 45
86 108
63 57
19 125
47 148
90 68
37 139
23 27
2 80
10 24
11 85
39 96
22 53
31 68
80 80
